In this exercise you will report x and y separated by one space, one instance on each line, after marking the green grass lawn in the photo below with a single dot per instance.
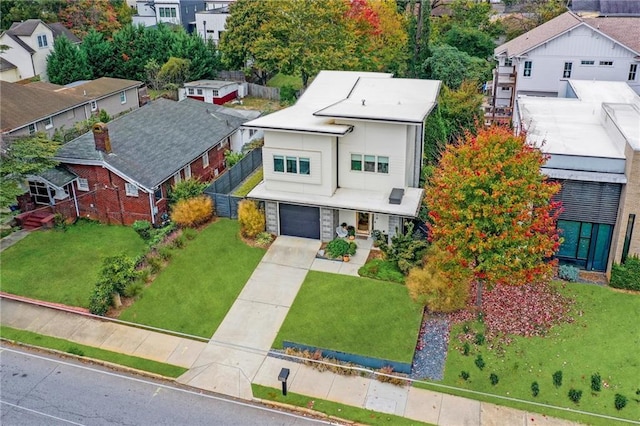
196 290
62 267
280 80
604 339
249 183
354 315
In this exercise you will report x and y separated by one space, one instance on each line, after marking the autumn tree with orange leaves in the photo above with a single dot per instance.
491 210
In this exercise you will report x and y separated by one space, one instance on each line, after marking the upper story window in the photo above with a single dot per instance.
567 70
371 163
289 164
42 41
606 63
508 62
131 190
123 97
633 70
527 68
94 106
83 184
167 12
587 62
48 123
32 128
190 91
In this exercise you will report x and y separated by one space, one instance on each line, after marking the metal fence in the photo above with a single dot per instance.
226 205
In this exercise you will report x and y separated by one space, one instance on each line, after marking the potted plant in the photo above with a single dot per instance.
351 232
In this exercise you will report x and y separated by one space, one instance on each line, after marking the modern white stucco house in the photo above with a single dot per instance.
569 46
591 133
350 150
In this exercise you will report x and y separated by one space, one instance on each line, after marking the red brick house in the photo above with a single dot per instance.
122 171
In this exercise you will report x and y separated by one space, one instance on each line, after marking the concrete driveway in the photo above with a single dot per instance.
240 345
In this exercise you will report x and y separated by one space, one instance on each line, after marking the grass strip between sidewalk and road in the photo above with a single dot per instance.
330 408
62 345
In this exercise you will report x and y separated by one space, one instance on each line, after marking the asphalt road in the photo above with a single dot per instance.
40 389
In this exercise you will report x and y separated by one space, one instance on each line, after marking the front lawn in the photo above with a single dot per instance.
354 315
280 80
196 290
604 339
62 267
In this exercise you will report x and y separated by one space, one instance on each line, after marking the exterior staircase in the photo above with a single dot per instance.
35 219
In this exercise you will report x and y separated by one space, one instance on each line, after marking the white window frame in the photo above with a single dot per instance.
48 123
130 189
94 105
205 160
199 92
123 97
365 159
508 62
43 42
527 70
215 93
566 73
32 128
187 172
190 91
83 184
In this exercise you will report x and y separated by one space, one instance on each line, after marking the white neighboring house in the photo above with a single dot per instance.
540 61
211 23
176 12
350 150
29 43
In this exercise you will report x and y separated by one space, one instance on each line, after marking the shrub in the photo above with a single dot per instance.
59 222
155 263
535 389
596 382
179 242
466 348
383 270
143 228
480 339
575 395
144 275
464 375
74 350
231 158
134 289
251 218
466 328
568 273
405 250
158 235
288 94
395 380
101 299
263 239
493 378
479 362
192 212
189 233
117 272
186 189
557 379
626 275
338 248
620 401
165 253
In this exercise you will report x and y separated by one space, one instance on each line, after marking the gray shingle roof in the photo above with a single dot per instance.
58 176
101 87
150 144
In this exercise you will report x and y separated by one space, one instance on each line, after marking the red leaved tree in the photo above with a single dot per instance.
491 209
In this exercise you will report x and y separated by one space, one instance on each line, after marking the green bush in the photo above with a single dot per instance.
405 250
143 228
383 270
479 362
74 350
596 382
232 158
627 274
264 239
466 348
165 253
339 247
134 289
179 242
186 189
101 299
557 378
158 235
118 272
288 94
480 339
535 389
189 233
493 378
155 263
568 273
575 395
620 401
464 375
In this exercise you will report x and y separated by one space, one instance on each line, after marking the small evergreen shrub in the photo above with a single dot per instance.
466 348
568 273
493 378
626 275
101 299
575 395
158 235
59 222
620 401
189 233
192 212
143 228
466 328
479 362
117 272
263 239
596 382
557 378
179 242
480 339
405 250
535 389
464 375
134 289
186 189
251 218
155 264
165 253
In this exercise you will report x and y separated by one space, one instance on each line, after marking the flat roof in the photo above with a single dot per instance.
604 91
627 119
348 199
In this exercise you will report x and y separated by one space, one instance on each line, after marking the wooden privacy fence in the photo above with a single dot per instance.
226 205
271 93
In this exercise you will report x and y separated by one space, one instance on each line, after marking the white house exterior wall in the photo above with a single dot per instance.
215 24
320 150
18 57
371 138
579 44
40 56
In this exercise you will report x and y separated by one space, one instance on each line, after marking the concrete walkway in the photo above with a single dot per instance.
12 238
236 355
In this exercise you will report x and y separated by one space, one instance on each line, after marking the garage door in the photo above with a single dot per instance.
300 221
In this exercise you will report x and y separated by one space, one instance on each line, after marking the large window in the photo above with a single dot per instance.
42 41
167 12
278 163
527 68
290 164
567 70
356 162
585 244
371 163
40 193
633 69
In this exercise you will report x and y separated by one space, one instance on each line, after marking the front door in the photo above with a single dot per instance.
363 223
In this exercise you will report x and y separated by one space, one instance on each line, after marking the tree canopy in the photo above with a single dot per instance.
491 210
453 66
67 63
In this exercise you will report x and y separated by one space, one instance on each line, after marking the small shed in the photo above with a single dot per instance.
212 91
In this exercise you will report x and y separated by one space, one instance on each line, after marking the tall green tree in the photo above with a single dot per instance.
418 24
471 41
202 55
20 10
67 63
99 53
491 210
175 71
453 66
22 157
134 46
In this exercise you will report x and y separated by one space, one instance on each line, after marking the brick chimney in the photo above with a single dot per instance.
101 138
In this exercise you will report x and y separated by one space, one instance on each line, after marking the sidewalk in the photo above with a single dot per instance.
236 355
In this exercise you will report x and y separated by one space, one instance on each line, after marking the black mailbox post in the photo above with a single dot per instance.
284 374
